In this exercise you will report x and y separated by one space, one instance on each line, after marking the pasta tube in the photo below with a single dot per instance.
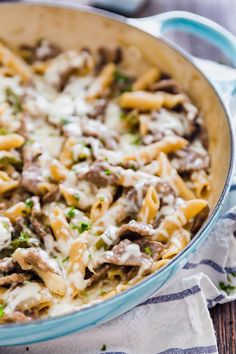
145 80
102 82
176 221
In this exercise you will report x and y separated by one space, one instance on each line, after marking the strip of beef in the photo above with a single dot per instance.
38 229
15 278
7 265
94 128
99 174
134 230
41 51
64 65
167 85
106 55
99 109
129 254
36 218
100 274
199 220
152 248
32 170
32 257
16 316
52 196
191 159
47 269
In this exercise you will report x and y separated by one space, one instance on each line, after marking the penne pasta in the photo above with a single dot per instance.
6 183
145 80
11 141
147 101
200 184
102 203
180 218
66 157
103 176
102 82
61 229
150 206
12 61
169 173
149 153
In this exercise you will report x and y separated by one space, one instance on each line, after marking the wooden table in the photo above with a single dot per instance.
223 12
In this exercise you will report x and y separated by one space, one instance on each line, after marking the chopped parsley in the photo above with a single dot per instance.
101 198
3 131
29 203
107 172
65 121
102 292
103 348
81 227
71 212
13 99
137 140
77 196
2 312
65 259
148 251
133 167
121 78
6 225
122 115
23 240
227 288
24 236
89 256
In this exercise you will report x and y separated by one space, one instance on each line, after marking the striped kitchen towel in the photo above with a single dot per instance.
176 320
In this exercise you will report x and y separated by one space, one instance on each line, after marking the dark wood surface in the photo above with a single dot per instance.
223 12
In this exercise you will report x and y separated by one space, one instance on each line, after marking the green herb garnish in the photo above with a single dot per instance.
103 348
2 311
81 227
14 100
23 240
137 141
64 121
71 212
77 196
123 115
107 172
101 198
29 203
3 131
24 236
148 251
6 225
89 256
133 167
65 259
121 78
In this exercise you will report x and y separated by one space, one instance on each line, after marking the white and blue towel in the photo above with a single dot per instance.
176 320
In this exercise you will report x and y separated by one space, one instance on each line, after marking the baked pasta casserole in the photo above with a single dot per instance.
104 175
